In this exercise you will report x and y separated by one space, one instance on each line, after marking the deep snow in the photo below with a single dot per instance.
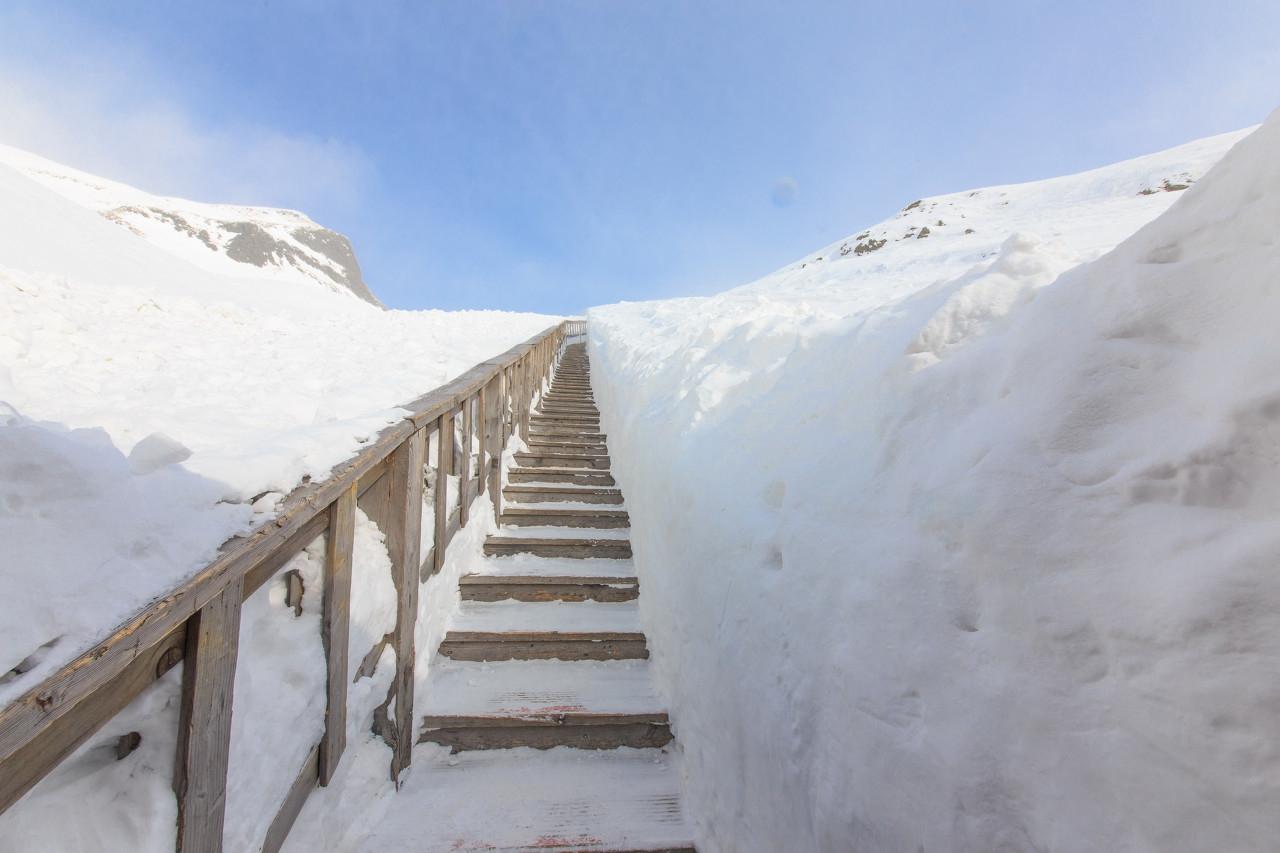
963 544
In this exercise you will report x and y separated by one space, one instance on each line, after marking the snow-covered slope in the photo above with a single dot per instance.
234 240
967 541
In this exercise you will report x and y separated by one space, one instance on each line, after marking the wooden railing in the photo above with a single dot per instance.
198 622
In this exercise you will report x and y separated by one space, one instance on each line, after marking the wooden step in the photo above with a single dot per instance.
561 460
578 448
551 442
577 476
568 409
600 518
589 433
498 546
566 422
544 645
547 588
547 494
544 731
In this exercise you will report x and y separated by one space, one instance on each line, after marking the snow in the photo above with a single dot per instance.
155 401
986 520
505 800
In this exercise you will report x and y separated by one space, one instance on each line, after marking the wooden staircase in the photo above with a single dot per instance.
547 650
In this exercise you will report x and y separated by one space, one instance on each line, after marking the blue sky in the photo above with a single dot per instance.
552 155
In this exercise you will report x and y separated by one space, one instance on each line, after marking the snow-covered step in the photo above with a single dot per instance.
522 800
543 704
551 542
560 430
527 564
555 616
540 687
547 588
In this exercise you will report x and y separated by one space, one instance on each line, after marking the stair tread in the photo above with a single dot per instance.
540 687
542 617
531 580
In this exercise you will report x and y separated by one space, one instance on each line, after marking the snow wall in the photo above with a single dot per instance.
991 567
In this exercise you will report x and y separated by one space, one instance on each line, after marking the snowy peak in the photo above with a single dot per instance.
221 238
941 236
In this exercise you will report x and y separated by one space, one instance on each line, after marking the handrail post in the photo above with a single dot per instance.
403 544
204 727
335 627
444 456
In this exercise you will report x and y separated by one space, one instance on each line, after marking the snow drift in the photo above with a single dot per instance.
955 542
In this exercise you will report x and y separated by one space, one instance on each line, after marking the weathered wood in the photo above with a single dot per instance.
599 518
551 645
302 787
204 723
578 549
575 476
291 547
403 544
70 730
482 437
580 730
464 473
441 539
540 494
547 588
335 628
562 460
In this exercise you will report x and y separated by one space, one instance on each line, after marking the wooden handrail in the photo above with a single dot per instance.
198 620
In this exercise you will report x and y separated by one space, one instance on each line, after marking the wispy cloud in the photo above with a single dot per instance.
126 121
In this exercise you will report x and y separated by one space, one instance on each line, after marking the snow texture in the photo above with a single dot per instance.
967 541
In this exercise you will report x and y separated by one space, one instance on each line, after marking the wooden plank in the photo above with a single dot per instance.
403 544
204 724
464 472
578 549
441 538
495 646
302 787
335 628
482 436
261 573
543 588
30 763
576 730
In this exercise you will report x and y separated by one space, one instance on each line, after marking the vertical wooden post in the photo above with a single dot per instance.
204 726
504 400
335 627
464 472
403 543
444 455
493 432
482 437
526 395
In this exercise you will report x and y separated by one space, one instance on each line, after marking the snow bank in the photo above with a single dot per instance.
950 554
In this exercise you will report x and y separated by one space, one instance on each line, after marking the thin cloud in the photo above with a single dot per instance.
110 125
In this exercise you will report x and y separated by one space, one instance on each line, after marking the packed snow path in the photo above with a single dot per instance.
540 726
